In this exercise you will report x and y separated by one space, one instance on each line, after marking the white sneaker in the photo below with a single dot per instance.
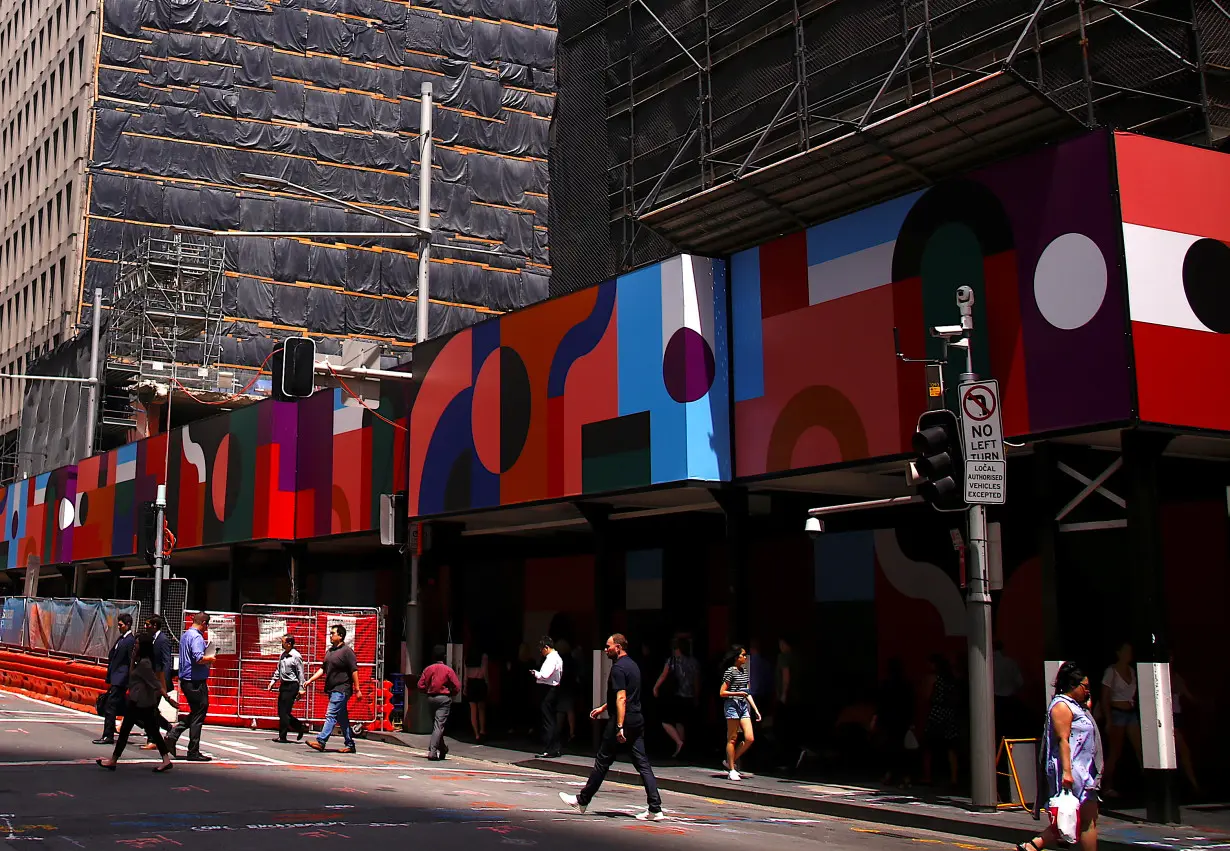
571 800
734 775
650 815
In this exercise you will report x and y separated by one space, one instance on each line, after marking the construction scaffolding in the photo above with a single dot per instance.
732 121
167 312
166 319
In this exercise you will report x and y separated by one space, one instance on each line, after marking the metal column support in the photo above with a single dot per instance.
1142 454
734 504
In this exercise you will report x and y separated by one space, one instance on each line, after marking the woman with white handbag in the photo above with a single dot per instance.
1072 763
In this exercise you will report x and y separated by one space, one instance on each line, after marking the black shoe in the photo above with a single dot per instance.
198 757
301 735
281 741
104 740
555 755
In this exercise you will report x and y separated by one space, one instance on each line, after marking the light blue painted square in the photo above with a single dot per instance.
748 344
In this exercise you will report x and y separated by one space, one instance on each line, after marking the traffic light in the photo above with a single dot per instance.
939 468
147 532
294 368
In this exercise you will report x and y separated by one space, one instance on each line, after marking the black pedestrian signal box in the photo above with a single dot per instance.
147 532
939 466
293 370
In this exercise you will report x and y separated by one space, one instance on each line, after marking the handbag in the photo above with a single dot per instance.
100 704
1066 816
168 709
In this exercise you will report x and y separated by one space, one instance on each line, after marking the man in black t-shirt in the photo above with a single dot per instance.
340 669
625 727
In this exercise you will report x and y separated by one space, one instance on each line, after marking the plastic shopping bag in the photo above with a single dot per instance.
1066 816
168 708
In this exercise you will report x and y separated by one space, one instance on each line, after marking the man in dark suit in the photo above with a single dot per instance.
118 662
157 627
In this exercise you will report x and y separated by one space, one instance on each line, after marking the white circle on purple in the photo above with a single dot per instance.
1070 281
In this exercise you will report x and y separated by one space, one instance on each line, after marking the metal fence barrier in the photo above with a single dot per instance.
70 626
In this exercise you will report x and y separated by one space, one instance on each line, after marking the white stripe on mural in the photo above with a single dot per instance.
673 297
1155 276
851 273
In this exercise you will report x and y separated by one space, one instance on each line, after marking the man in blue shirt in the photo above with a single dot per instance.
194 682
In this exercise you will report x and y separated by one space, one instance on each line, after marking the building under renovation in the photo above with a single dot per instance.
195 99
729 122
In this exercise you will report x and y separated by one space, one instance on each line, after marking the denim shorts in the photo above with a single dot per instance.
737 708
1124 717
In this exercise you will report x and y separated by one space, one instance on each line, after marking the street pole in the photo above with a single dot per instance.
91 421
978 623
160 513
424 294
414 717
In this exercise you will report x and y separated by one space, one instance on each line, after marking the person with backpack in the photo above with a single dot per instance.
146 686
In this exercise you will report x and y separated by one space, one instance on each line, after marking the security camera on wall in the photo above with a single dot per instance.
814 526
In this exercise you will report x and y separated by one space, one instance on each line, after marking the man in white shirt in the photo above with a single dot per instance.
548 678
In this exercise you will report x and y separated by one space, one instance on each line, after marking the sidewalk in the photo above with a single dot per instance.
891 807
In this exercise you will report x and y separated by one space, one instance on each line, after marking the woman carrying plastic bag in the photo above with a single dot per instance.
1072 764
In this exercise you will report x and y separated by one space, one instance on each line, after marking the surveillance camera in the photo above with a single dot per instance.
814 526
965 295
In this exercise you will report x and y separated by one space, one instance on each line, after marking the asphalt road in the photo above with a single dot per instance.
259 794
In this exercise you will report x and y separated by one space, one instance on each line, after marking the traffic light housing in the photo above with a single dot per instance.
293 368
938 468
147 532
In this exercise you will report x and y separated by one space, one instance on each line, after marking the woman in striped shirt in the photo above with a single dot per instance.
739 707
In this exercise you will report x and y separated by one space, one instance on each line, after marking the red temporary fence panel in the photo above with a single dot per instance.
248 647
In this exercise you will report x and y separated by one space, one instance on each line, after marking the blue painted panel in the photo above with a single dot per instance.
748 345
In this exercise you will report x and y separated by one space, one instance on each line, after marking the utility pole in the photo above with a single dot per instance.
416 719
424 295
978 615
92 421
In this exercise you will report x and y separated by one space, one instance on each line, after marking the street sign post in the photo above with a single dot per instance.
984 482
981 428
982 434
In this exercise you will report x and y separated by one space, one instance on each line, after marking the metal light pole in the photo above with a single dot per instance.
424 211
92 421
978 619
417 720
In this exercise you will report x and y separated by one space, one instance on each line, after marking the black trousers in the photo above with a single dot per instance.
135 716
115 705
288 693
607 752
550 723
197 695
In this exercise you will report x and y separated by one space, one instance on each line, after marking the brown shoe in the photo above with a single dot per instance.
315 745
149 746
347 749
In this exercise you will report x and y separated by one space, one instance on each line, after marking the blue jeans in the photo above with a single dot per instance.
335 715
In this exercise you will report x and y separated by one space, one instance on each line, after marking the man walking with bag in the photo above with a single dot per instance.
340 669
194 682
118 662
626 726
439 682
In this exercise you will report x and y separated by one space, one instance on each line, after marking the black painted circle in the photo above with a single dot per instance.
234 477
515 407
83 508
1206 281
14 523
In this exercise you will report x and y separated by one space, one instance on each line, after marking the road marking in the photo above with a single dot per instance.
50 705
268 760
238 745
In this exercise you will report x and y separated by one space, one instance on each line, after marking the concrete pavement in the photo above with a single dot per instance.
258 794
1204 828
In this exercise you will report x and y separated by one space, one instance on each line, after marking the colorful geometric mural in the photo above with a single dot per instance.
816 379
1175 202
618 386
110 489
232 477
347 458
38 519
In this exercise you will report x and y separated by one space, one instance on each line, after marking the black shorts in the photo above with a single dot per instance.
678 710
